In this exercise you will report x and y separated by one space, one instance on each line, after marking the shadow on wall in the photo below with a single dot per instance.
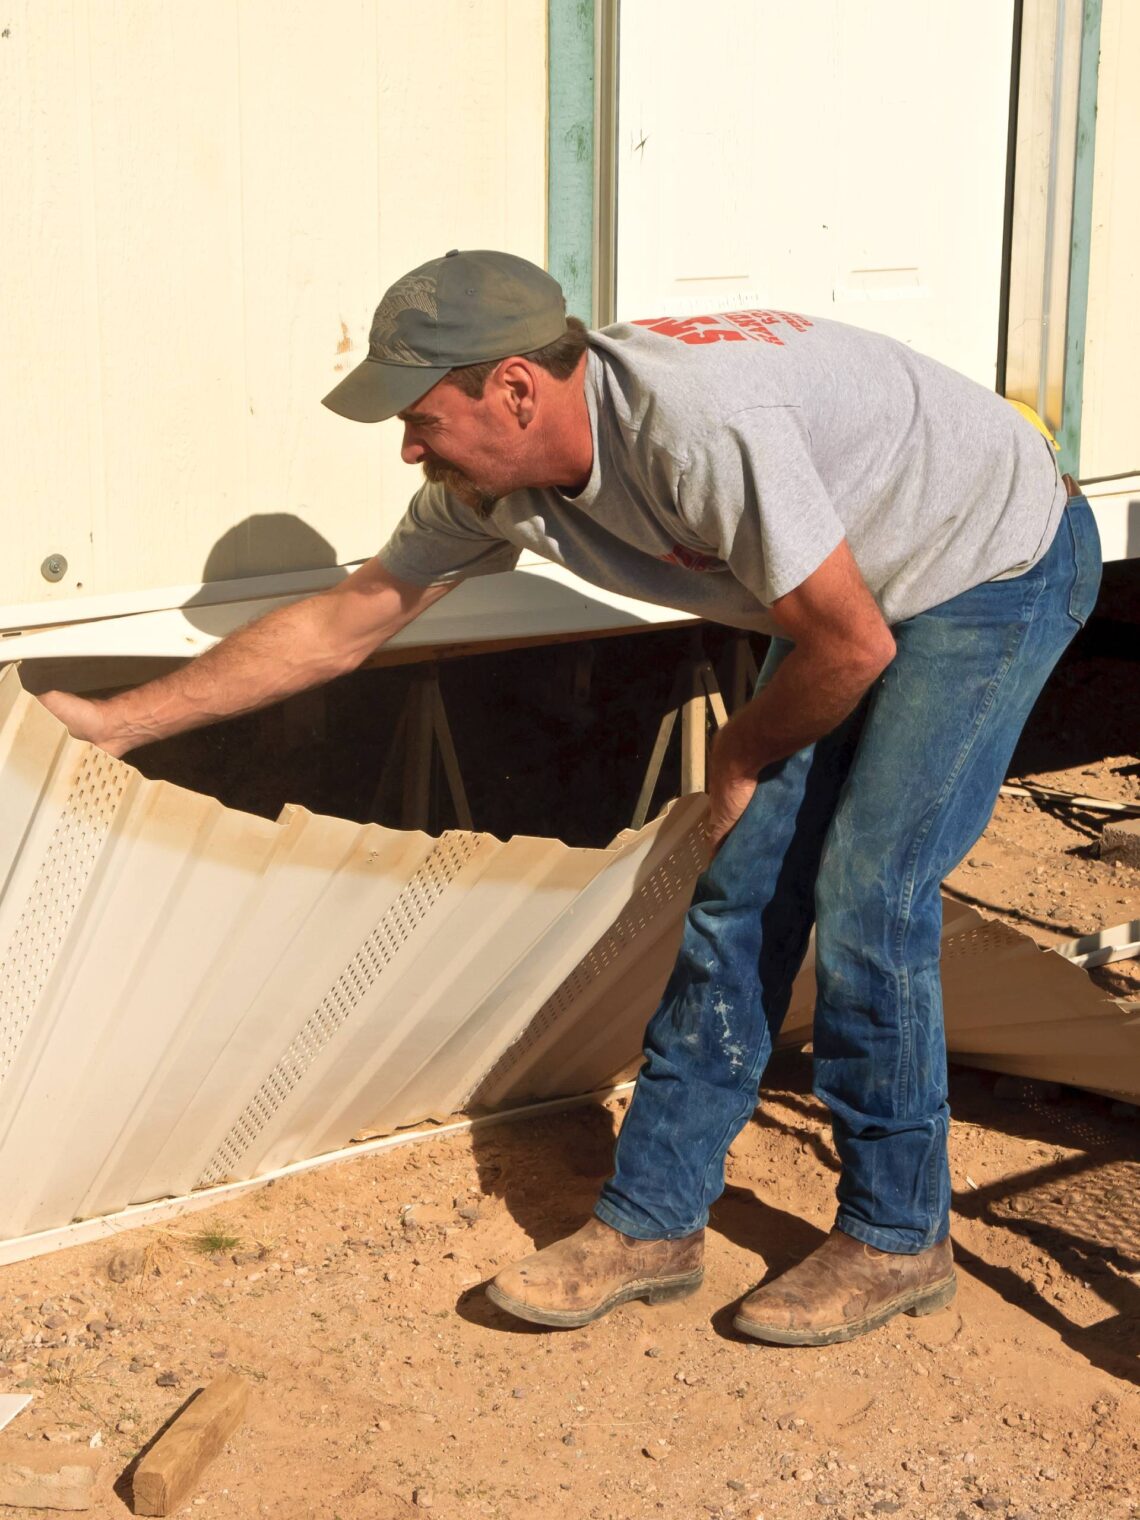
268 543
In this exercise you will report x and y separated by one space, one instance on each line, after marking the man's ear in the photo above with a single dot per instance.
520 389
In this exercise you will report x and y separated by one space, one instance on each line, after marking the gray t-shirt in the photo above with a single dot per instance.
733 453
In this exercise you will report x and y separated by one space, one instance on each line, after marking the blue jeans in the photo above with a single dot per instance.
855 832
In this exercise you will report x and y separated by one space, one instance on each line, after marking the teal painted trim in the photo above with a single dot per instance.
1069 434
570 152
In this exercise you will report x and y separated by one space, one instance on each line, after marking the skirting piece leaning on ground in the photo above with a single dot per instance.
189 994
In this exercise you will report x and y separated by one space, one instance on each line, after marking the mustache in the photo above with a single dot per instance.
460 485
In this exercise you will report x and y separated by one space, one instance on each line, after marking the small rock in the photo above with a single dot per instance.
55 1321
653 1351
243 1258
421 1497
469 1211
1101 1408
991 1503
166 1380
135 1365
886 1507
125 1426
518 1393
803 1475
655 1453
736 1485
126 1264
569 1439
98 1327
826 1496
63 1433
1120 841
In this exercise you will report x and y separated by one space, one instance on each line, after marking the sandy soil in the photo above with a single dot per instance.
386 1385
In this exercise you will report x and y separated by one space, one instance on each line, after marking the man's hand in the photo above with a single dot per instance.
731 785
841 645
83 719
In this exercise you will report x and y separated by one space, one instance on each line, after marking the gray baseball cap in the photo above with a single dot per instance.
461 309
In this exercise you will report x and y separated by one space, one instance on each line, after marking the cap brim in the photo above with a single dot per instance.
374 390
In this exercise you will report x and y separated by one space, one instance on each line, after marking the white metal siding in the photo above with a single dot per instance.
200 205
1110 423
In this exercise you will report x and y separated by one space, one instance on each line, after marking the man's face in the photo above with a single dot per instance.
470 446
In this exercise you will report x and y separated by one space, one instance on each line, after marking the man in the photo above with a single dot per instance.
906 537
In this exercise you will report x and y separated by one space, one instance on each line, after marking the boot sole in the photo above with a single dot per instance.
916 1303
661 1290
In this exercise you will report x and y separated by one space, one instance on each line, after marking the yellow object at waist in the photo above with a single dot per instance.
1031 416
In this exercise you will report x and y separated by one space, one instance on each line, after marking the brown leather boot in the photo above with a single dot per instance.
579 1279
844 1289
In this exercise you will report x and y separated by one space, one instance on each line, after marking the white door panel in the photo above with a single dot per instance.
844 158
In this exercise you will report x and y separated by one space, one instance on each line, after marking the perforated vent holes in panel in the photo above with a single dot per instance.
983 939
55 894
354 984
674 876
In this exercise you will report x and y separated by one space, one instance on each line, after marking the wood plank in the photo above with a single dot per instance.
653 769
167 1473
694 735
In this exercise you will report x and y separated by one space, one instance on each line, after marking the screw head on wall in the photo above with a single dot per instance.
54 568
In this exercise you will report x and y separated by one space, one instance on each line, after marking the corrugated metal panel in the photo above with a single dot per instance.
1012 1007
189 993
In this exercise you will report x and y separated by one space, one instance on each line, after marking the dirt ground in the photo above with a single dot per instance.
386 1385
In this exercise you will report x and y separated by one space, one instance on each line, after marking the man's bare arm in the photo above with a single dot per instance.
842 645
304 644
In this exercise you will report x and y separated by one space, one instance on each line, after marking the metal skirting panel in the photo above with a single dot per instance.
189 994
1015 1008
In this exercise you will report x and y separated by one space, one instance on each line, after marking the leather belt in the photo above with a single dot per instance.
1072 486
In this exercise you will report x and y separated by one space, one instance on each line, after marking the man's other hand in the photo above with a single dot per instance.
730 787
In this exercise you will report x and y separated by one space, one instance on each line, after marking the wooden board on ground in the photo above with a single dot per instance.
165 1476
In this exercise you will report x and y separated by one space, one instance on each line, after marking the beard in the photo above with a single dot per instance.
462 486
